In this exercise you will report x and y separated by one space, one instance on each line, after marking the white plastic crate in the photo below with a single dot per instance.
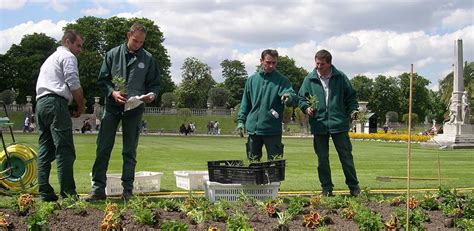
144 182
190 180
231 192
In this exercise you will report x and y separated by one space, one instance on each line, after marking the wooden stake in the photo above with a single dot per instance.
409 145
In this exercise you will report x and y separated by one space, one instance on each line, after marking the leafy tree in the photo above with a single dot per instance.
437 108
197 81
235 75
392 116
420 104
7 96
287 67
385 96
101 35
168 98
23 62
414 118
363 86
446 84
219 96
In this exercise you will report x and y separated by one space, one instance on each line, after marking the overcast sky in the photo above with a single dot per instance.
368 37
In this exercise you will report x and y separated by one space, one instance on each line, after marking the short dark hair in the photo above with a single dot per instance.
323 54
137 27
270 52
71 35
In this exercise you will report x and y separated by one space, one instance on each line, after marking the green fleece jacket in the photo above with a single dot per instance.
141 74
263 93
334 117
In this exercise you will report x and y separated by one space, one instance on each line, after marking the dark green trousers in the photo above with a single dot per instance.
272 144
131 121
343 146
55 143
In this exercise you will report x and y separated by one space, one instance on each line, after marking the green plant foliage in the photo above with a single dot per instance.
39 219
296 204
168 204
173 226
238 222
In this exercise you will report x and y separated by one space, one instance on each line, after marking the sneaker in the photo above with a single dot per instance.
327 194
355 192
94 197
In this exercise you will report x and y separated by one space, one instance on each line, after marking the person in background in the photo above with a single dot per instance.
329 116
57 85
261 110
26 124
139 71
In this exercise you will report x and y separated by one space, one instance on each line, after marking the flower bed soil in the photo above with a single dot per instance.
91 218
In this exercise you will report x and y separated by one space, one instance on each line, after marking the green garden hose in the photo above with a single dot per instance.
18 172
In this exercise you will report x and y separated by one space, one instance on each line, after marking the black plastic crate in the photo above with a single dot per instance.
234 172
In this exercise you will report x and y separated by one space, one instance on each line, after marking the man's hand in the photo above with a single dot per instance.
148 98
285 97
80 110
240 128
118 97
354 115
309 111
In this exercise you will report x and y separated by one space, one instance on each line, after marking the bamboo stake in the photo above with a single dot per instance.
409 146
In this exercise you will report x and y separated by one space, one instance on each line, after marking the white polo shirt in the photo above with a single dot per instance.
59 75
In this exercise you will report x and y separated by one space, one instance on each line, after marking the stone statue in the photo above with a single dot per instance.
452 111
465 108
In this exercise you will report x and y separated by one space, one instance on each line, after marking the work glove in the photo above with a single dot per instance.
240 128
354 115
286 98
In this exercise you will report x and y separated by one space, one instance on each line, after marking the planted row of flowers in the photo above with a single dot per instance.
389 137
365 212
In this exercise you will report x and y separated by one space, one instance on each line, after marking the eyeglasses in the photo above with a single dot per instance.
271 62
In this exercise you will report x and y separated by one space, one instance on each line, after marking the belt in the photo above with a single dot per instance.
53 96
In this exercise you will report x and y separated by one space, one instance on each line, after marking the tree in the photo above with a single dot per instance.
363 86
23 62
235 75
197 81
101 35
168 98
437 109
385 96
287 67
420 102
414 118
218 96
7 96
446 84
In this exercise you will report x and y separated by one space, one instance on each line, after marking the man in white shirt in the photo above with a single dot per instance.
57 85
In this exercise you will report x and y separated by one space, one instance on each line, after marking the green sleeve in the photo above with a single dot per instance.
152 79
244 105
105 77
302 101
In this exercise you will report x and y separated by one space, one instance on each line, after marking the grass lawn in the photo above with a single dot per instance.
169 153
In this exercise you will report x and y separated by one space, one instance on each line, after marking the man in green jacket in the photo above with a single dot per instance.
139 72
329 100
261 109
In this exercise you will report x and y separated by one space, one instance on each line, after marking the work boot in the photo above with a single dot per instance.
325 193
354 192
50 198
91 197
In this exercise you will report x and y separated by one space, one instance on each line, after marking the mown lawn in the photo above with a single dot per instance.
170 153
